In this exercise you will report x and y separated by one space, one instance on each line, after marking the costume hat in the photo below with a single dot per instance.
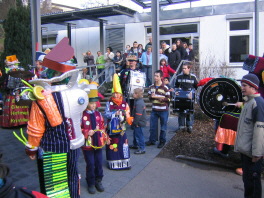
57 57
252 80
132 58
93 94
11 59
116 85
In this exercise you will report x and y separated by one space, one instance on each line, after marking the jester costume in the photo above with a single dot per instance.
117 152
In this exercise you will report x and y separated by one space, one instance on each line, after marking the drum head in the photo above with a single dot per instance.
217 91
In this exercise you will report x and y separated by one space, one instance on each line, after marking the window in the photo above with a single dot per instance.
176 29
239 40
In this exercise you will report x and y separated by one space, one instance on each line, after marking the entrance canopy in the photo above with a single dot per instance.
147 3
91 14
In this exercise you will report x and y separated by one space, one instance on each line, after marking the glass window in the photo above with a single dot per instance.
239 25
239 48
177 29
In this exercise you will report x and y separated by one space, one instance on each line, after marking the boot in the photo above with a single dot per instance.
91 189
99 185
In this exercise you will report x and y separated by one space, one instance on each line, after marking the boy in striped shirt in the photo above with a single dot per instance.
159 95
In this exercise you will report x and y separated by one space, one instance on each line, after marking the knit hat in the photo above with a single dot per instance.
252 80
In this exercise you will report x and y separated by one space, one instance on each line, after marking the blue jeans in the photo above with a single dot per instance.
139 138
101 78
109 72
189 120
148 71
155 115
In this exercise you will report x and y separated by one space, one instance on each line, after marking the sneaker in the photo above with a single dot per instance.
99 186
189 130
139 152
91 189
161 144
149 143
133 147
239 171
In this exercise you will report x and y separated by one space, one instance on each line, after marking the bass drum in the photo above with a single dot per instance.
137 79
215 93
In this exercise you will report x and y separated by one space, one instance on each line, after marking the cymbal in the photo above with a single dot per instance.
21 74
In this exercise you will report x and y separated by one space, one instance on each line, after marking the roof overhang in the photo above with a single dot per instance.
90 14
147 3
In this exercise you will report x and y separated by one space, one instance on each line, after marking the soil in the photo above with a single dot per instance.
199 144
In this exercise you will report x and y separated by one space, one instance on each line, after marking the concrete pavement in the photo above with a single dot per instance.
149 176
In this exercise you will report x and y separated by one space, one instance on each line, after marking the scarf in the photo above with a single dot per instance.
117 101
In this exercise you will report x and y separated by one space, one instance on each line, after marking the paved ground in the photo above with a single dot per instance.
149 177
24 170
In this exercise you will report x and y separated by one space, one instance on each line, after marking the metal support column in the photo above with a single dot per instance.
257 27
101 36
35 28
155 35
155 45
69 27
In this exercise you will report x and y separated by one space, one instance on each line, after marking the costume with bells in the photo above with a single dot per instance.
92 149
54 129
117 152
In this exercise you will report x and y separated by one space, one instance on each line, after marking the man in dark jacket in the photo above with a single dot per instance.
187 82
174 57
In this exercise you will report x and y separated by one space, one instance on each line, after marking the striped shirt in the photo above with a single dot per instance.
161 91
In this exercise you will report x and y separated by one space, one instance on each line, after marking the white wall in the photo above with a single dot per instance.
135 32
261 31
83 39
213 37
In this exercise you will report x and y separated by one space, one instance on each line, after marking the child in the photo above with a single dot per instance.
92 121
166 81
140 120
165 68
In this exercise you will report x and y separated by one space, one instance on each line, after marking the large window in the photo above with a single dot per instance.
176 29
239 40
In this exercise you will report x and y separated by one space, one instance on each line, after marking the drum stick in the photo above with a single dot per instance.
228 104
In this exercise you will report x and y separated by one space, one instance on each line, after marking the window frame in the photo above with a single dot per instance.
230 33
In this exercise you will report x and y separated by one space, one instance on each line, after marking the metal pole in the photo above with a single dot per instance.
155 36
155 45
35 28
101 24
69 32
256 27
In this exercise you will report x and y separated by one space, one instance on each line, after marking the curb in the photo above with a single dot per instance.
203 161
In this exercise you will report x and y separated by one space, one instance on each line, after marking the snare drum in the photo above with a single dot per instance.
137 79
183 101
21 100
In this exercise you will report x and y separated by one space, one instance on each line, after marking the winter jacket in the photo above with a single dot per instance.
88 59
174 59
250 130
139 113
186 82
166 69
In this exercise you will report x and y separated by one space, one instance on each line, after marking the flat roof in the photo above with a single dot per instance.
147 3
90 13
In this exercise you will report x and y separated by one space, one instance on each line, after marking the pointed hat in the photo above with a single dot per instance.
116 85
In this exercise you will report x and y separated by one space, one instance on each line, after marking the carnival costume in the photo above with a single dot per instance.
15 111
54 130
117 153
92 149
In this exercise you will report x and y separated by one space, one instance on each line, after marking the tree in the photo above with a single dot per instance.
17 27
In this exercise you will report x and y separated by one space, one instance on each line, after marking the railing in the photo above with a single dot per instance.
95 76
